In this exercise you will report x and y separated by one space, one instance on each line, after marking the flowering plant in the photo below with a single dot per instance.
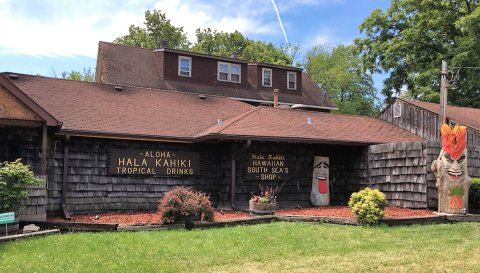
184 201
268 193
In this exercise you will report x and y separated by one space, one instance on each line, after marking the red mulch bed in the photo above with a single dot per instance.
345 212
154 218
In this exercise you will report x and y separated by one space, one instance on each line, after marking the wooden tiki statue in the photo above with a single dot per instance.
451 171
320 194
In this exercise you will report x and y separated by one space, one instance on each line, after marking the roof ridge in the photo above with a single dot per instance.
226 123
433 103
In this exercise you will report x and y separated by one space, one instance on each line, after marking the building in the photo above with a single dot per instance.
422 118
119 146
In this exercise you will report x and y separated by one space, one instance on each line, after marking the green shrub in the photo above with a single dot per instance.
15 177
474 194
367 206
184 201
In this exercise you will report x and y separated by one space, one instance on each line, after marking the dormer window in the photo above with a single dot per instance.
228 72
266 77
291 80
184 66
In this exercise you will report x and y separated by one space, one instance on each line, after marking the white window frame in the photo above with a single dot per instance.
180 66
263 77
229 72
288 80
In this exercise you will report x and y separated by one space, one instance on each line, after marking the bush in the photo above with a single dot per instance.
184 201
15 177
367 206
474 194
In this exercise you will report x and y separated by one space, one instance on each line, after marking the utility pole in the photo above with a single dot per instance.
443 94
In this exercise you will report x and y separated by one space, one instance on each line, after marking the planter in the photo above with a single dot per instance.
262 208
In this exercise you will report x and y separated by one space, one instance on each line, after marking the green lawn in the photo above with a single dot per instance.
276 247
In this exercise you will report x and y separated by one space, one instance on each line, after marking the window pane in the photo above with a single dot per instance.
235 78
291 85
223 76
235 69
185 63
223 68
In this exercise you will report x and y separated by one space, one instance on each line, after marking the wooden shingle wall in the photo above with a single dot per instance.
422 122
91 190
400 171
348 170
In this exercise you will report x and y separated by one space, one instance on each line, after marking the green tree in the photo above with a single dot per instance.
86 75
157 29
224 44
410 39
338 70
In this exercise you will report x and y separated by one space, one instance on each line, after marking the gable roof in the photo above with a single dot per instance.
264 123
99 109
91 109
134 66
469 117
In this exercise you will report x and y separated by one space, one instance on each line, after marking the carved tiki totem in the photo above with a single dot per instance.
451 171
320 194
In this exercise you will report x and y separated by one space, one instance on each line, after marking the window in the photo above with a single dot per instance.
291 80
229 72
184 66
397 109
267 77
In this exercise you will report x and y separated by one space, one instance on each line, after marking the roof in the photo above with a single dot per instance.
91 109
469 117
306 126
100 109
134 66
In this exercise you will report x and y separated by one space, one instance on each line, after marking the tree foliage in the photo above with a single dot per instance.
410 39
86 75
338 70
224 44
158 28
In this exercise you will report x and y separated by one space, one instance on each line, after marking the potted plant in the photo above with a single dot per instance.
183 204
15 178
265 202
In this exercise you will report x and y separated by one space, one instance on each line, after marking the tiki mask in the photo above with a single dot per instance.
451 171
320 194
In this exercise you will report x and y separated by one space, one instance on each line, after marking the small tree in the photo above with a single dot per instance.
15 177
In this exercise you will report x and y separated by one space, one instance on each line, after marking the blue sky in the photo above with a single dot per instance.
43 37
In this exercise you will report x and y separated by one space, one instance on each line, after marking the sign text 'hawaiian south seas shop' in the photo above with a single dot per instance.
267 167
163 162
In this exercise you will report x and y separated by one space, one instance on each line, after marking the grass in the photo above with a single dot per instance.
276 247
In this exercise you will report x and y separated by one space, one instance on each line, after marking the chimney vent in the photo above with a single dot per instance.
219 121
309 120
275 98
13 76
118 88
163 44
202 97
234 55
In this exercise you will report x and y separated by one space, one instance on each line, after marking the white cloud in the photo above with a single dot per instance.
73 28
245 16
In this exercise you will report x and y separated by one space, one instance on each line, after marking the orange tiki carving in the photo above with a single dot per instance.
451 171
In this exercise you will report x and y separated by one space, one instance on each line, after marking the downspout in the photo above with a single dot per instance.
233 172
66 214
